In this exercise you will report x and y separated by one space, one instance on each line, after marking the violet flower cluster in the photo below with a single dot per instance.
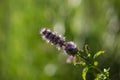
69 47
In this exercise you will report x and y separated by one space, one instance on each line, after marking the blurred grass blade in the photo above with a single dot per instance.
98 54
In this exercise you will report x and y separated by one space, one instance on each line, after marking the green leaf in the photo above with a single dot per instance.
98 54
85 70
104 75
106 72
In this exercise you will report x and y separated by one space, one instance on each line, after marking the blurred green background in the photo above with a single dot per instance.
25 56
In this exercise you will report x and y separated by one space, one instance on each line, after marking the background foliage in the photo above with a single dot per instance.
25 56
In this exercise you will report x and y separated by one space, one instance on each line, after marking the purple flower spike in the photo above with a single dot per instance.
70 48
53 38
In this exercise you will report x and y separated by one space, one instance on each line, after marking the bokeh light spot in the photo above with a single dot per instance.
50 69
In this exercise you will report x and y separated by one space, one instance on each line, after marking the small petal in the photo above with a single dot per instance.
43 31
70 59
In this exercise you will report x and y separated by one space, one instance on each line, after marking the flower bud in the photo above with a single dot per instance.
70 48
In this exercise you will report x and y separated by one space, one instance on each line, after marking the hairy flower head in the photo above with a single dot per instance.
69 47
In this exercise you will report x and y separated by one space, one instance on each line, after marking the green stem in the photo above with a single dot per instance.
97 69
